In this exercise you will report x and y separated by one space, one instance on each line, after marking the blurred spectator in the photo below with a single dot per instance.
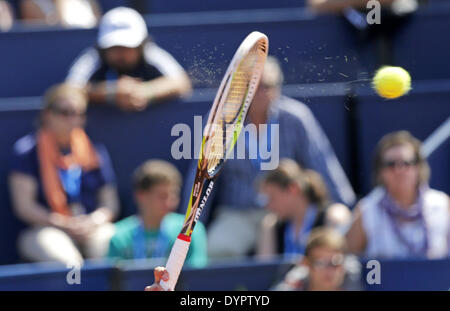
402 217
69 13
62 185
6 16
152 233
324 267
300 138
160 273
298 202
127 68
393 15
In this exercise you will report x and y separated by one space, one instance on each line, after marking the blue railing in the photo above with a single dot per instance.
231 276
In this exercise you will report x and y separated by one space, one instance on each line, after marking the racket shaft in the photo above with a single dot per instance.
175 262
181 246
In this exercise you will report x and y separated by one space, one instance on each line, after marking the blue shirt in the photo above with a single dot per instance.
25 160
301 138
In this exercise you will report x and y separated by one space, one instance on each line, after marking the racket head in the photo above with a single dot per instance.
230 107
232 101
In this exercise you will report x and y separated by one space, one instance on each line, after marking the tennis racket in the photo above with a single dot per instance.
220 134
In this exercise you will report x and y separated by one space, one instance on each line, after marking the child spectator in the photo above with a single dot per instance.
324 267
152 232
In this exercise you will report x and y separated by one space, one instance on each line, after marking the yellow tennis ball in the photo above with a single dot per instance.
391 82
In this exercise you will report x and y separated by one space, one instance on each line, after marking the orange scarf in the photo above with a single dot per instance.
50 159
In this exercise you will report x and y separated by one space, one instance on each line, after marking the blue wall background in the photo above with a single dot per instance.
411 275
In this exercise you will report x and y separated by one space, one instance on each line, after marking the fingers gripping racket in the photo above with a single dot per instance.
220 134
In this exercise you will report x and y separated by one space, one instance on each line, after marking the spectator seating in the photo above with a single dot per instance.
95 276
410 275
418 49
202 42
148 134
312 49
160 6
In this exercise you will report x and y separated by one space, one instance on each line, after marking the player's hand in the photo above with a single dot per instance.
160 274
130 95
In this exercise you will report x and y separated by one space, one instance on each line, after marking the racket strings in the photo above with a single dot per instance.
226 125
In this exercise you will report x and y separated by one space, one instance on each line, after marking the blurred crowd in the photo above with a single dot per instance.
63 186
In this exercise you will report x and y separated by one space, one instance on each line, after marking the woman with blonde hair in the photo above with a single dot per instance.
402 216
62 184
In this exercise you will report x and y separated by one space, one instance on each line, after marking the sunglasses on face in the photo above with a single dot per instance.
399 163
334 262
68 112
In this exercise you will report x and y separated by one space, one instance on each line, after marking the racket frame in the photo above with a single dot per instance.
199 194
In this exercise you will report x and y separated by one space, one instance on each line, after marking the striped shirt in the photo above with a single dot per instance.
302 139
90 67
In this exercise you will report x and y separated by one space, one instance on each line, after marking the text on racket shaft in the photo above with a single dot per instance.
204 199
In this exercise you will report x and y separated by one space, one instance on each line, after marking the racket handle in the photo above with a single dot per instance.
176 260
